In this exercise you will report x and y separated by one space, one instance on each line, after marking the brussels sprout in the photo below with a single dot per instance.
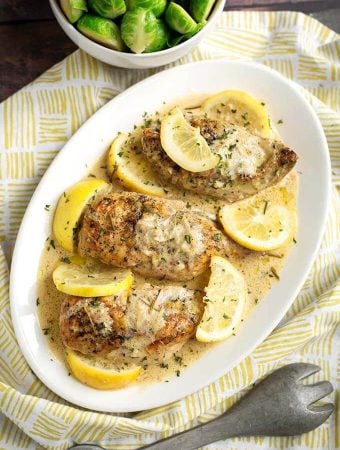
141 31
161 42
200 9
108 8
101 30
179 20
156 6
183 37
73 9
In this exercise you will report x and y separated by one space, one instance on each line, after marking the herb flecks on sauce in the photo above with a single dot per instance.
256 267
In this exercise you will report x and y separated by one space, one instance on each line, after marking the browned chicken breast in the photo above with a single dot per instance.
163 317
93 325
153 319
156 237
248 163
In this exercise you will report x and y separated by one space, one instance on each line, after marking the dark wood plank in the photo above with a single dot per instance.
14 10
330 18
27 50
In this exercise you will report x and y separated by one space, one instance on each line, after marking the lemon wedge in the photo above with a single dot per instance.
258 224
132 168
240 108
70 207
224 302
99 378
77 280
77 260
184 143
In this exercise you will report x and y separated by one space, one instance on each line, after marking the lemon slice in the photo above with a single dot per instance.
184 143
70 207
99 378
240 108
257 224
132 168
224 302
78 280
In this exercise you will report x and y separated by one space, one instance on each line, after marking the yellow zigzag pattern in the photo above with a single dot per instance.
37 121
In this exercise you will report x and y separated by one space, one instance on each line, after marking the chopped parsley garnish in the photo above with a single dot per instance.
94 303
178 359
187 238
265 206
273 271
65 259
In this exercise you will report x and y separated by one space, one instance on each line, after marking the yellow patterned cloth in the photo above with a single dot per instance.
37 121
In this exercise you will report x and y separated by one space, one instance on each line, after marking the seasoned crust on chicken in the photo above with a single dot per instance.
248 163
163 317
156 237
152 320
93 325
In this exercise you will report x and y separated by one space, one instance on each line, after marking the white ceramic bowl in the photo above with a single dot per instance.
131 60
300 130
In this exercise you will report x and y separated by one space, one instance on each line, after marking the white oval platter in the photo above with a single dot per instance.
300 130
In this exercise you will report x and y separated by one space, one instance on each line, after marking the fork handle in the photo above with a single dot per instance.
222 427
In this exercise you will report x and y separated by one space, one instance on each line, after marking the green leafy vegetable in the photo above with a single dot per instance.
200 9
161 41
73 9
108 8
183 37
156 6
101 30
179 20
142 31
140 25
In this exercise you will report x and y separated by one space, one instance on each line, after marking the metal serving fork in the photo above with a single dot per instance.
280 405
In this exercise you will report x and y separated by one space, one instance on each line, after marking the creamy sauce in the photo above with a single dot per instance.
260 271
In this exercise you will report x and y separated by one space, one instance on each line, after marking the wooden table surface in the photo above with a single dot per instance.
31 41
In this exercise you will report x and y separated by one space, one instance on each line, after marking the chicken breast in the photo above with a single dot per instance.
156 237
93 325
153 320
163 317
248 163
